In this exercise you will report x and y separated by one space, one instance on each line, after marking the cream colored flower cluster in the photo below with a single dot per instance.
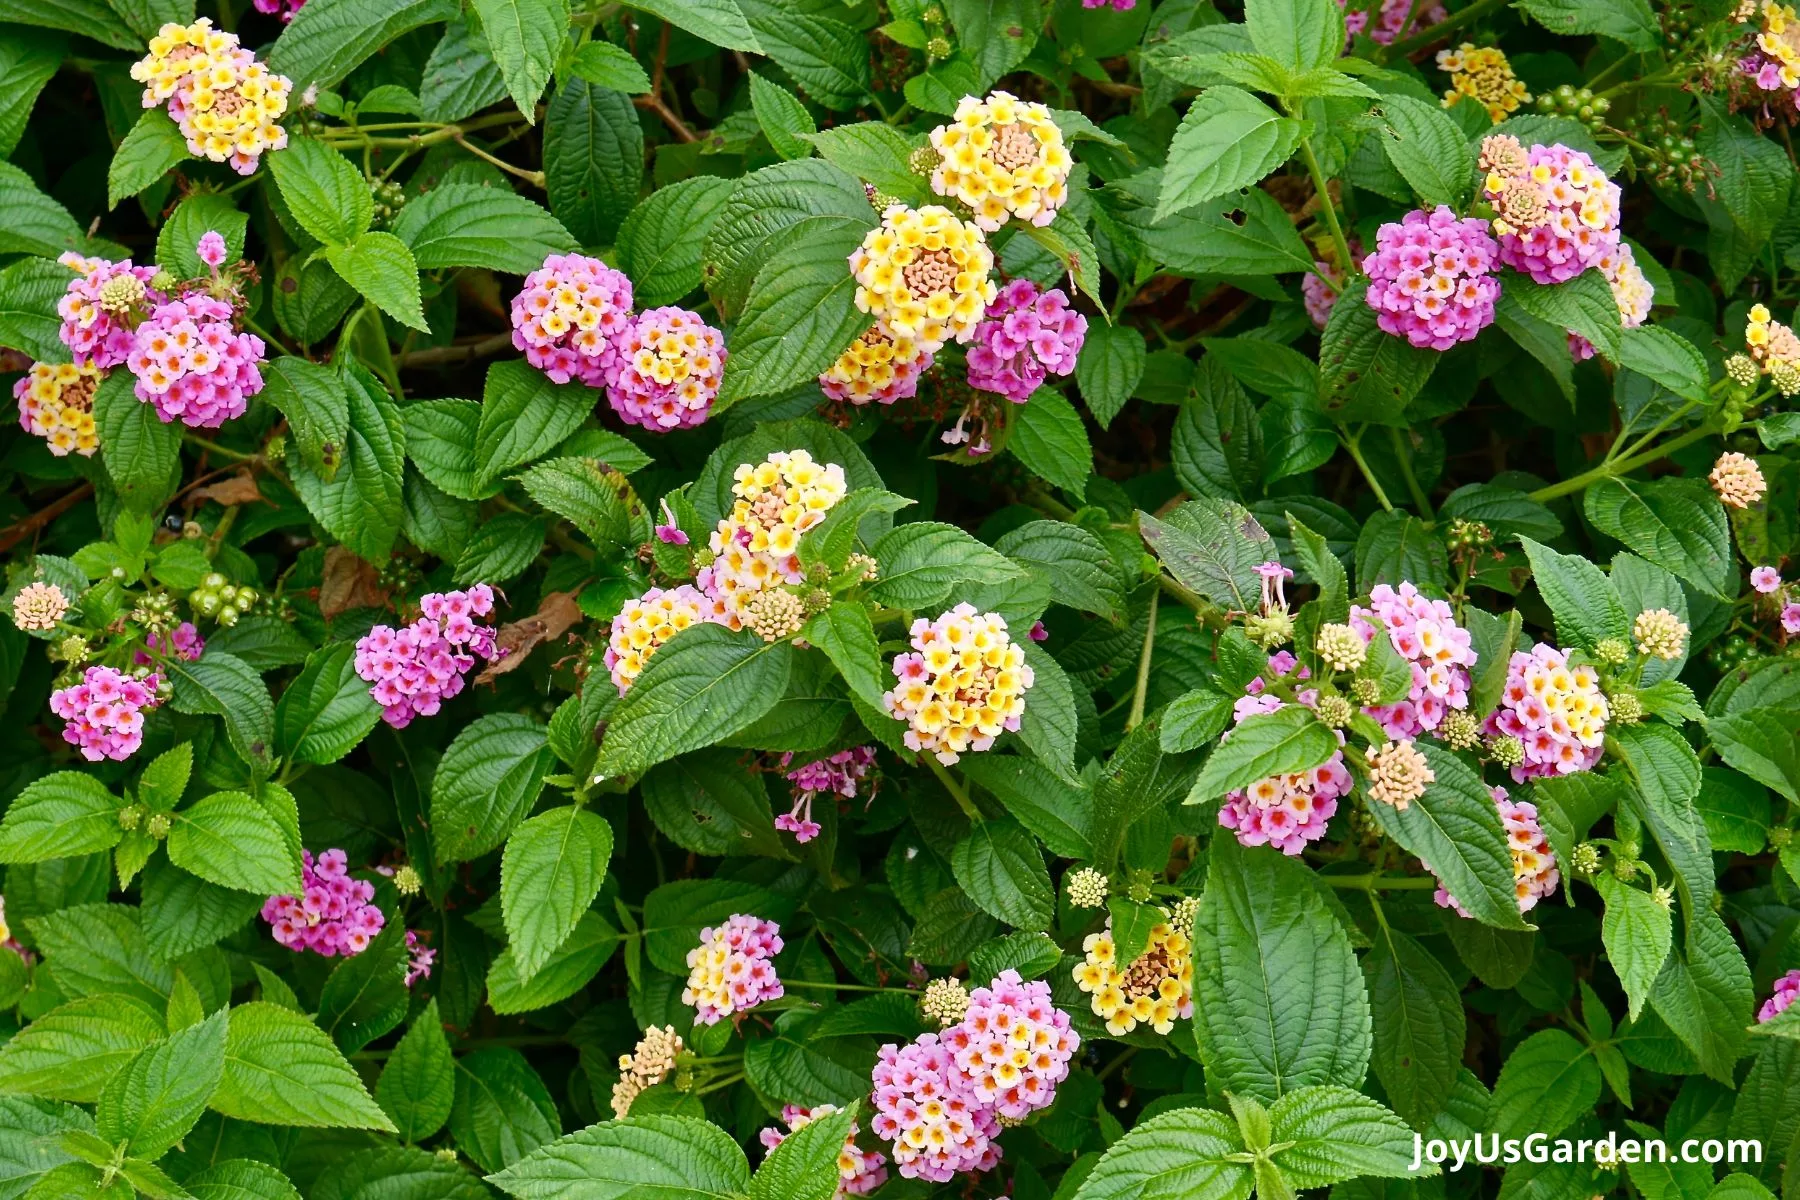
962 685
924 274
1003 157
1155 989
226 103
757 544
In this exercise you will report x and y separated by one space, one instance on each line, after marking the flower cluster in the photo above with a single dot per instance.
1156 989
648 1064
1774 64
285 9
1787 990
1013 1045
757 545
732 969
39 606
101 309
184 642
878 366
1770 343
836 775
1632 292
1534 864
961 686
645 623
926 1107
663 369
568 315
416 668
419 959
1284 811
1737 480
1482 74
1659 633
924 274
1425 633
103 715
192 365
1320 287
1556 711
1556 213
1027 335
1391 21
333 914
1431 278
859 1171
1003 157
56 403
226 103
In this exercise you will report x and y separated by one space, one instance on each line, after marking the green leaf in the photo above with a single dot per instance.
326 41
151 150
1002 870
1072 561
759 212
1229 139
1334 1133
177 242
1052 808
29 290
240 1179
1759 742
1366 374
1429 151
874 152
140 450
523 415
281 1069
800 313
1666 772
362 502
1287 741
682 1158
460 78
416 1084
182 912
1666 357
549 875
501 549
327 711
487 781
784 120
90 18
1678 524
805 1165
381 267
1547 1082
660 243
1298 34
152 1103
566 971
61 815
1703 993
467 225
70 1052
828 58
720 22
524 37
1241 233
702 685
1109 369
327 195
1628 22
1419 1026
501 1111
29 1134
1211 547
596 498
1186 1154
1217 441
1637 933
922 562
231 840
593 159
1582 305
610 66
847 636
316 403
1049 438
35 224
1583 600
221 685
365 996
674 914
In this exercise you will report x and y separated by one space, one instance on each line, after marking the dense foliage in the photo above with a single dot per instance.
797 598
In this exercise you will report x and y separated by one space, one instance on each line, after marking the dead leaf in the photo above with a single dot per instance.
239 489
348 583
516 640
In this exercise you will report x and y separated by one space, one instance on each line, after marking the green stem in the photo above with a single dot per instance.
1354 446
1403 453
1620 450
221 451
1136 716
956 790
1455 20
1322 190
1623 466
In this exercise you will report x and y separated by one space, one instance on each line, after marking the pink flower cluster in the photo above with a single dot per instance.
1424 632
859 1171
836 775
926 1106
1014 1045
285 9
1787 990
1026 336
1557 711
1319 292
1431 278
1534 863
418 958
733 968
333 914
1117 5
184 643
1284 811
1570 223
664 370
568 313
104 713
192 365
97 324
416 668
1389 22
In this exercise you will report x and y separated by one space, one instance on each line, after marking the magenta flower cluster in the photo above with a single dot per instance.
103 715
334 914
665 369
835 775
1014 1045
1787 990
99 332
1431 278
1392 20
859 1171
416 668
1284 811
192 365
184 643
1425 633
285 9
733 968
1027 336
1580 220
567 314
419 958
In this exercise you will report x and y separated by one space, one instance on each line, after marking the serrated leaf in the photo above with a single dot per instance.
800 313
1287 741
1637 933
416 1084
487 781
1001 868
923 561
551 872
280 1068
525 37
151 1104
327 711
379 265
152 149
1227 140
675 1156
60 816
467 225
231 840
71 1051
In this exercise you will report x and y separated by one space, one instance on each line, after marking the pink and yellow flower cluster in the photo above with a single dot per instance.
1425 633
733 969
226 104
961 686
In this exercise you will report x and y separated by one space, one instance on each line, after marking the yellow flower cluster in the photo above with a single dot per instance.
644 624
1154 990
1780 40
963 684
757 545
1003 157
226 103
1483 75
924 274
1768 340
878 367
56 403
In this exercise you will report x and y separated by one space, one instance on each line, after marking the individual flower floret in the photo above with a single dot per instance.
567 315
182 642
757 545
1431 278
1156 989
1787 990
645 623
56 403
38 606
1790 618
878 366
926 1107
962 686
103 715
226 104
102 307
733 968
1027 336
192 365
835 775
924 275
1556 213
1284 811
1482 74
859 1171
1765 579
1631 290
1013 1044
648 1064
663 369
1398 774
1425 633
1534 864
1659 633
1003 157
416 668
1556 711
334 914
1737 480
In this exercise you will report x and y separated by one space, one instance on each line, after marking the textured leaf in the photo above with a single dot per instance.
550 873
1001 868
1228 140
465 225
680 1158
416 1085
280 1068
486 783
524 37
71 1051
593 159
325 193
1180 1155
1284 742
379 265
59 816
231 840
501 1111
152 1103
1637 933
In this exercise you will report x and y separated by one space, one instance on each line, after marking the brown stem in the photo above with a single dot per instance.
21 529
654 101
